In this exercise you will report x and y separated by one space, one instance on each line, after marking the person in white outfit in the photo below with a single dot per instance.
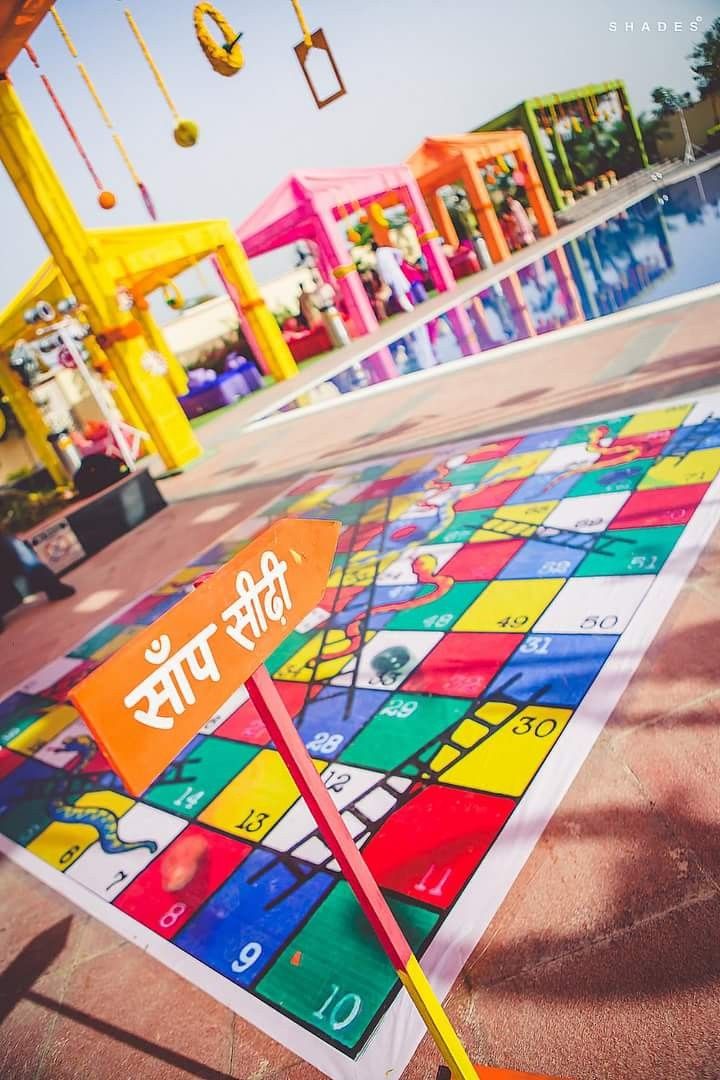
389 270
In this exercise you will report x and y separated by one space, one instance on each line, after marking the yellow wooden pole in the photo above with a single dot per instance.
235 267
81 262
176 373
31 421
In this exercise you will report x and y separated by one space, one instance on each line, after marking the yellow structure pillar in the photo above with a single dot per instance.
124 405
176 374
81 263
31 421
235 267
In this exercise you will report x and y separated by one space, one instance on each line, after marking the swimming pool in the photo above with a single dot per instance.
663 245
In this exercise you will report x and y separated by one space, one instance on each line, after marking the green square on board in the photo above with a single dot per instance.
630 551
404 724
205 772
334 975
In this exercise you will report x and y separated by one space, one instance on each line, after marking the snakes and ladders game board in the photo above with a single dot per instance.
487 606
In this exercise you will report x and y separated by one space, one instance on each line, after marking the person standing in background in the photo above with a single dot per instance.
388 263
523 228
22 572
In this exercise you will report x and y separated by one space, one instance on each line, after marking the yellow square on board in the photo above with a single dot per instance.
188 574
111 647
361 569
408 466
496 529
515 466
308 502
510 607
697 467
399 505
534 512
494 712
507 761
468 733
43 730
519 521
444 757
62 842
333 641
657 420
256 799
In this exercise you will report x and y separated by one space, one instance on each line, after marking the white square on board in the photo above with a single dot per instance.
595 605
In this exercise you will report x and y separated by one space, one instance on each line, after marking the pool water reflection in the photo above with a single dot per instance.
662 245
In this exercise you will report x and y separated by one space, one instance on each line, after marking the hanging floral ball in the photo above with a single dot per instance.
107 200
186 133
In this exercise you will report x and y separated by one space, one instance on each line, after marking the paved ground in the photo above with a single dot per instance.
604 961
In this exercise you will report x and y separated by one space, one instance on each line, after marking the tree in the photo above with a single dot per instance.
584 154
668 101
705 64
655 129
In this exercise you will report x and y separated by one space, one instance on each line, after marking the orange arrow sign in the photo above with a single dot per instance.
146 703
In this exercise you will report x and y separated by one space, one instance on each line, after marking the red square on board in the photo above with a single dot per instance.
380 489
246 726
9 761
179 880
462 665
429 848
98 763
60 690
358 537
494 450
489 497
481 562
649 444
661 506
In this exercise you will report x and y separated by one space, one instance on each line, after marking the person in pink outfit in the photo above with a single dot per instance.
523 229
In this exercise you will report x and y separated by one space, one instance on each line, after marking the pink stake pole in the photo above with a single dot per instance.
291 748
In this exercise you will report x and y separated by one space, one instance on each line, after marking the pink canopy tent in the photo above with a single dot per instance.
311 206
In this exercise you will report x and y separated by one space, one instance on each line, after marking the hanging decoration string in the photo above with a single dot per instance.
162 85
304 28
185 132
144 193
106 198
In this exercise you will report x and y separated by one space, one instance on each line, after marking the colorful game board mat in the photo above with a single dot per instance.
486 608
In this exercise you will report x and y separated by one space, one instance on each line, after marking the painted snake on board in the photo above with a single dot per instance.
424 568
105 822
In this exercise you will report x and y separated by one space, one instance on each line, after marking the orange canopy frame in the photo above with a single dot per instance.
459 159
18 20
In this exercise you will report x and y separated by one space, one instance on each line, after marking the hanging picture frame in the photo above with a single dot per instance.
303 51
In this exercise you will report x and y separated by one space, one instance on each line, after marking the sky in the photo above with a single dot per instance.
412 68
